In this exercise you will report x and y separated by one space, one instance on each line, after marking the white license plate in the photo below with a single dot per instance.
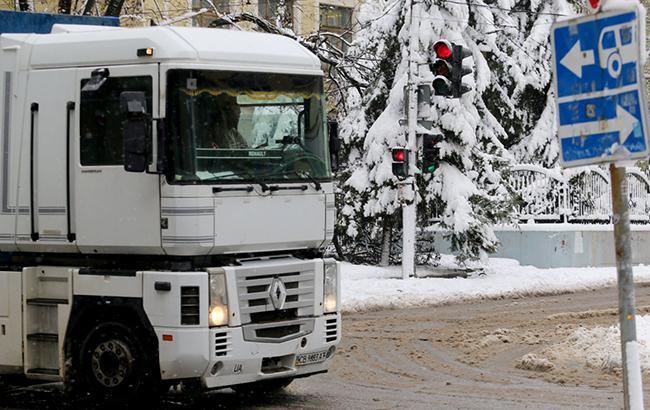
311 358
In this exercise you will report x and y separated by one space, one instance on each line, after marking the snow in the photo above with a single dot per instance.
366 288
600 347
369 288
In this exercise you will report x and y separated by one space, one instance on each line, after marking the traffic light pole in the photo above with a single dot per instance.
409 206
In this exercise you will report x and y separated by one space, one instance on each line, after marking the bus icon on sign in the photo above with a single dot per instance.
615 48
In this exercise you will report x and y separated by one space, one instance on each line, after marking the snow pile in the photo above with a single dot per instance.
496 337
535 363
369 287
600 347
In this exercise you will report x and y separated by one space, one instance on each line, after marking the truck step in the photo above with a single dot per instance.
45 372
46 302
43 337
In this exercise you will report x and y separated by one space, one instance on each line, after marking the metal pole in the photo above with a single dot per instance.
632 388
408 208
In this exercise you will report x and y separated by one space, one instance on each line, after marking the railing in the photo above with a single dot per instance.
540 194
584 196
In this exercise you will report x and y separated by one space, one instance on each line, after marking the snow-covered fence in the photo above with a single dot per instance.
638 188
541 194
590 196
551 195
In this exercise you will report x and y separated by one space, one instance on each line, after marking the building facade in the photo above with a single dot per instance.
304 17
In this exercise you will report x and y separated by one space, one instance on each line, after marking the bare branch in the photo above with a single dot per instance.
329 55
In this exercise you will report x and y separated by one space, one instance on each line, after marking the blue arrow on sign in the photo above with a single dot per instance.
596 55
600 125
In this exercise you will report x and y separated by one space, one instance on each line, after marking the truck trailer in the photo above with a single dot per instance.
166 199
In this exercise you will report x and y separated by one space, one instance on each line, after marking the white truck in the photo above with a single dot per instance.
166 194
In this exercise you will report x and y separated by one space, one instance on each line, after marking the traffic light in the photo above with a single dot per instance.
594 5
448 69
430 152
400 162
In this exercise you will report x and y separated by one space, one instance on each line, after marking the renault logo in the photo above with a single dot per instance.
278 293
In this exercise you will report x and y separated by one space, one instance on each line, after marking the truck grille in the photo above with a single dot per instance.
190 305
255 303
331 329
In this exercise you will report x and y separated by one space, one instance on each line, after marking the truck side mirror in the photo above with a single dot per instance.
136 130
334 143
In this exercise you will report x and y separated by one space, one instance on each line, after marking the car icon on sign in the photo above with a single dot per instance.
615 48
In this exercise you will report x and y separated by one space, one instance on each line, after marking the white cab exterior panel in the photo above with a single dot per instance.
8 159
50 90
19 158
186 356
108 285
164 307
11 331
254 223
190 225
249 51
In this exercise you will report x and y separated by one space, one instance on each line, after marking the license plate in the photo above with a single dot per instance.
311 358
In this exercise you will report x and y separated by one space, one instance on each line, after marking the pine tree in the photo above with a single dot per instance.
511 106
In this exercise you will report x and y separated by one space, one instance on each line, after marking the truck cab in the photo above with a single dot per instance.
166 197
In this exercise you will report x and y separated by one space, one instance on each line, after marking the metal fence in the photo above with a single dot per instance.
584 196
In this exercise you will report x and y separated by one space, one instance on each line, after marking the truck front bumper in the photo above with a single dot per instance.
223 357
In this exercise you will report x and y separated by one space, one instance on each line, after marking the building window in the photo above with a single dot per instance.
222 6
277 10
335 19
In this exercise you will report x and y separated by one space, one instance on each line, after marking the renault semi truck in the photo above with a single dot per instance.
166 195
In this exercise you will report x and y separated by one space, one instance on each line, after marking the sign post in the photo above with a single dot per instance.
633 390
602 118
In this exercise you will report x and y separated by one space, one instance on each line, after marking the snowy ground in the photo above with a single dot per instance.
599 347
370 288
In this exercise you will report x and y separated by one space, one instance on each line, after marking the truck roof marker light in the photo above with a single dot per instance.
145 52
168 338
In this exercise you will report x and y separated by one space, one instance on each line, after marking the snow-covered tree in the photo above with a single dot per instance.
510 107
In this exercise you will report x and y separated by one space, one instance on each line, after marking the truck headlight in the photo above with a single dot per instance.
218 315
330 287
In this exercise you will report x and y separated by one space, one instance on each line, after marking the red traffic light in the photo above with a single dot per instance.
399 154
443 49
594 4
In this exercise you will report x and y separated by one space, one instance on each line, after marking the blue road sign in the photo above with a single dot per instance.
599 88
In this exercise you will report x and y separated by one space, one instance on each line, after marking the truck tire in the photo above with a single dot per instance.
111 364
263 388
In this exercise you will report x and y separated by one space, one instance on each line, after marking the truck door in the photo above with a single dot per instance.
115 211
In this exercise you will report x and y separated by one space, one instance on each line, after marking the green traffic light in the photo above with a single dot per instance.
441 86
431 168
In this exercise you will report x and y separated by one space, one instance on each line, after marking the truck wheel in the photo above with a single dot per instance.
263 388
112 364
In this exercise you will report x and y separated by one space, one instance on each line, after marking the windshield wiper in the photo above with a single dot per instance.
257 181
306 175
248 188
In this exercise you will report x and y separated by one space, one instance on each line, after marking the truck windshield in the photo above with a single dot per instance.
234 127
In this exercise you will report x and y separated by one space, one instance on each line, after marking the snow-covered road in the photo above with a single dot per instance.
371 288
